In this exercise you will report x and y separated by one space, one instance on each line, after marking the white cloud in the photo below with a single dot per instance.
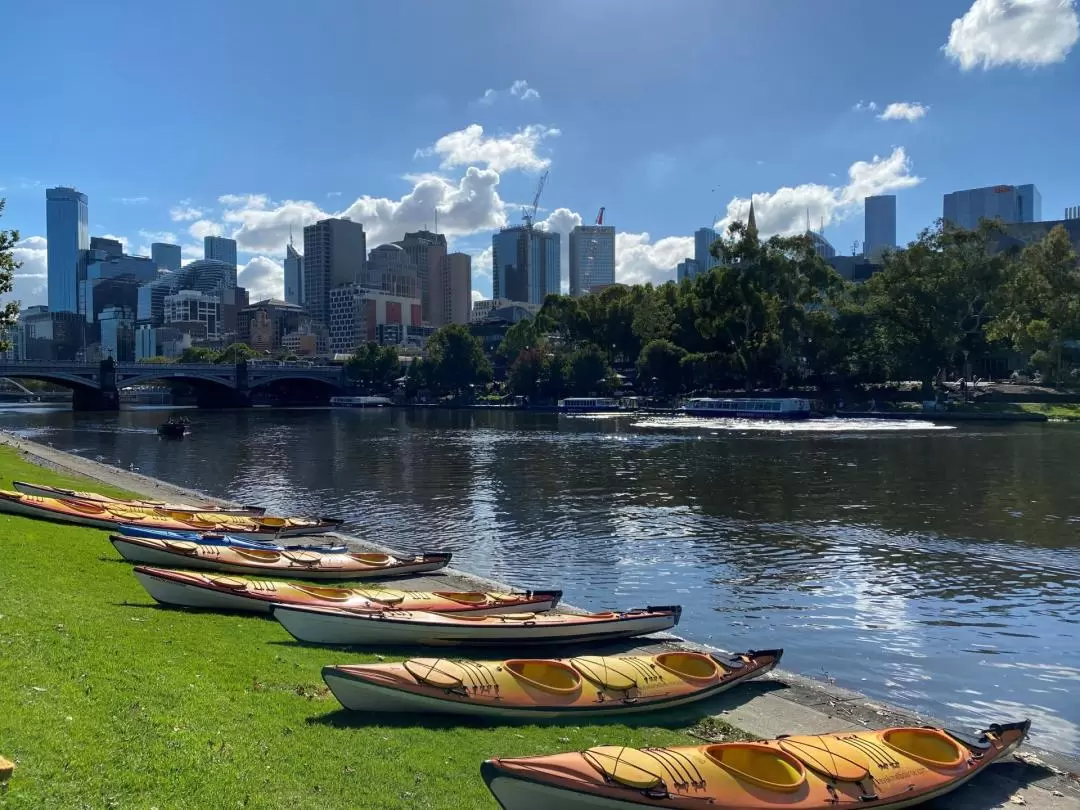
481 264
131 200
469 147
1029 33
869 106
185 212
639 260
158 236
784 211
519 89
263 278
204 228
904 111
477 296
562 221
123 240
31 280
333 194
257 201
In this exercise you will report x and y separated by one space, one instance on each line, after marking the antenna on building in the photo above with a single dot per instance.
808 219
436 219
290 236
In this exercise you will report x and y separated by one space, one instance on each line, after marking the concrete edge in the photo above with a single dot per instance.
826 706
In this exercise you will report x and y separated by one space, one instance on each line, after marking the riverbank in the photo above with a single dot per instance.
782 703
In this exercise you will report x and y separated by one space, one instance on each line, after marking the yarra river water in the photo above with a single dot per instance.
932 567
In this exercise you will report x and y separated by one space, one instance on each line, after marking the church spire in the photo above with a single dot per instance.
751 222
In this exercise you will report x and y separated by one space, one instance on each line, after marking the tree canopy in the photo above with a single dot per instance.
374 367
9 312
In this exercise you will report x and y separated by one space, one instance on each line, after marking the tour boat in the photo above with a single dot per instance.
302 564
361 402
891 768
45 491
597 404
227 592
539 688
336 626
740 408
209 538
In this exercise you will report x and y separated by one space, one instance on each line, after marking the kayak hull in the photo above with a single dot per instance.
45 491
358 690
177 588
342 628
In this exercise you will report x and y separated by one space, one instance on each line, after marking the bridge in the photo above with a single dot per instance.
96 386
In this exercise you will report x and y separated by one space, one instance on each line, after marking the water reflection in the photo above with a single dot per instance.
936 568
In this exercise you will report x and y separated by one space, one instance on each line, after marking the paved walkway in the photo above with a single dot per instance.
780 703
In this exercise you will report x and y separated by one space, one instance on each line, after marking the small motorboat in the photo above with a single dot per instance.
891 768
541 688
45 491
175 428
228 592
321 625
301 563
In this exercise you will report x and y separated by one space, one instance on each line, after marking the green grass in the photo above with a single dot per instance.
1069 411
107 701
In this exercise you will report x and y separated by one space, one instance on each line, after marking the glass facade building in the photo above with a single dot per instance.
68 234
526 265
964 209
703 240
879 226
592 257
166 256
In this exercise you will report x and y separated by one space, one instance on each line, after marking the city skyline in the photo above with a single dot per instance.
470 140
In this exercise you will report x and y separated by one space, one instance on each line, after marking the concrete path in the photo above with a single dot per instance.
780 703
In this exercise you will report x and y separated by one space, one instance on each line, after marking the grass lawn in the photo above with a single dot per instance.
107 701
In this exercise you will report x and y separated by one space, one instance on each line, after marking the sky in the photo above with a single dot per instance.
248 118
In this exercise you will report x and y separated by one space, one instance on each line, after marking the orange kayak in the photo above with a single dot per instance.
226 592
46 491
535 688
302 564
892 768
104 515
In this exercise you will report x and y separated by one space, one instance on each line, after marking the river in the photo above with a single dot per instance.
932 567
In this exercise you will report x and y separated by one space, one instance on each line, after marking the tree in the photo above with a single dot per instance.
235 352
588 371
519 337
156 360
9 313
456 359
529 371
198 354
660 361
374 366
654 318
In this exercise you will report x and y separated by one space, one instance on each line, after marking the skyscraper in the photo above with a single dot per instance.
166 256
68 236
879 215
110 247
703 240
294 275
964 209
427 251
686 269
335 251
592 257
452 290
526 265
221 249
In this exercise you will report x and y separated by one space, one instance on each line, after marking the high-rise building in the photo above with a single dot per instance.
195 312
452 290
964 209
294 275
151 301
167 256
822 246
1072 212
592 257
113 280
111 247
526 265
391 270
703 240
68 234
360 315
879 226
334 254
118 333
686 269
426 250
263 324
220 248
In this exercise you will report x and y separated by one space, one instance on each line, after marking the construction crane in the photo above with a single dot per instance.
600 216
530 215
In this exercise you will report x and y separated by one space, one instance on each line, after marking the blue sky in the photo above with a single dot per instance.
244 118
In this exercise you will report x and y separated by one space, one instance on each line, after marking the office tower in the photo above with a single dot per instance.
151 300
113 280
822 246
426 250
68 236
294 275
703 240
194 312
879 225
110 247
686 269
391 270
964 209
526 265
220 248
1072 212
452 290
334 254
592 257
264 324
118 333
360 315
167 257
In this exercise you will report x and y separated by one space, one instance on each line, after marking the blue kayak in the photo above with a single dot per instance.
225 540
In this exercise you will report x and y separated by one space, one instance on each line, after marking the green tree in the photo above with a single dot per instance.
528 372
198 354
156 360
654 317
456 359
9 313
588 372
235 352
1040 303
519 337
660 361
373 366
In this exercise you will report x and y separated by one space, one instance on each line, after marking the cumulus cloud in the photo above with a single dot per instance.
158 236
904 111
204 228
639 260
186 212
31 280
263 278
257 201
481 264
477 296
131 200
562 221
469 146
784 211
519 89
470 205
868 106
1029 33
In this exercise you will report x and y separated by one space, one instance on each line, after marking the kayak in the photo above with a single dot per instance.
539 688
320 625
304 564
60 493
112 516
891 768
225 592
228 540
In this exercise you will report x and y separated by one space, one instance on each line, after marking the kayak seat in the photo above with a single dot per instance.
926 745
438 672
693 666
258 554
551 676
181 546
232 583
606 672
373 559
464 597
604 614
759 765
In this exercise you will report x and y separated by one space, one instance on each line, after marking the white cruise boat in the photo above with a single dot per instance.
746 408
598 404
361 402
